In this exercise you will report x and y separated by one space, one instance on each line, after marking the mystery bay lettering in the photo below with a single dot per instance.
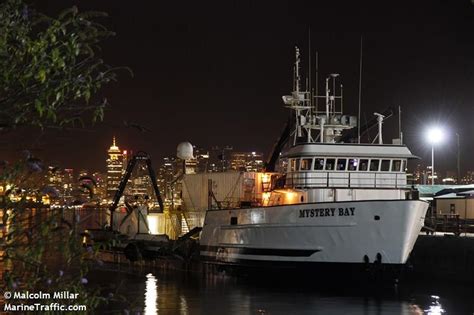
326 212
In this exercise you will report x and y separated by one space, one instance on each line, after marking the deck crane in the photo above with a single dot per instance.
140 156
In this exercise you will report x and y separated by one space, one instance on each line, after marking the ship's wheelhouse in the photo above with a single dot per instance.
353 167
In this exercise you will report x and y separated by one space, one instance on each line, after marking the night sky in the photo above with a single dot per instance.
213 73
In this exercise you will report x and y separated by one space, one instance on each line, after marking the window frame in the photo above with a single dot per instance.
357 166
333 164
310 164
389 165
337 165
370 165
292 165
367 165
399 165
322 166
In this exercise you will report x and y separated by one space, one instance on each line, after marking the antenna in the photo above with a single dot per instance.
297 70
294 78
342 99
309 65
333 97
317 91
360 91
400 124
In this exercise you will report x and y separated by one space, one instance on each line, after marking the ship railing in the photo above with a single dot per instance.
346 180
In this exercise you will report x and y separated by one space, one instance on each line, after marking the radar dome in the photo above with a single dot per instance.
185 151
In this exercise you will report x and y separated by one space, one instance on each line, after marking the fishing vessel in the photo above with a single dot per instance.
336 205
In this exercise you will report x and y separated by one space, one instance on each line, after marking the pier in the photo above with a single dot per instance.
444 257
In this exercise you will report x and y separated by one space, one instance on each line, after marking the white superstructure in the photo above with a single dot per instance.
339 202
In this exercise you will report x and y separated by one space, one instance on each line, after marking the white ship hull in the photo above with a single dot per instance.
353 232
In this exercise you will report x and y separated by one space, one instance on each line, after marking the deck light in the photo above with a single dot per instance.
434 135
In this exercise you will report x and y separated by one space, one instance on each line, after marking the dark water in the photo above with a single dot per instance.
171 293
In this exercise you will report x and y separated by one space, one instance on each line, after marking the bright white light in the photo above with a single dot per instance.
435 135
152 224
151 295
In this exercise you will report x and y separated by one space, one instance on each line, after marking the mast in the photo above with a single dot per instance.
309 67
360 92
380 118
400 124
310 123
317 83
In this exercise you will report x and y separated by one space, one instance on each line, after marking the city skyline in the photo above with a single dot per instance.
237 160
418 60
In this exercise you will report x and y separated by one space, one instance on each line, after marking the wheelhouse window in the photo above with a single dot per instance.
318 164
297 166
330 164
396 165
385 166
352 166
364 165
341 164
404 165
292 165
306 164
374 165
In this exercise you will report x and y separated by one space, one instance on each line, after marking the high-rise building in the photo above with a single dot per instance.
101 182
166 175
219 160
115 169
140 181
68 183
247 161
200 162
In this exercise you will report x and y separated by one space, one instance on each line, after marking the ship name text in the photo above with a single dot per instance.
326 212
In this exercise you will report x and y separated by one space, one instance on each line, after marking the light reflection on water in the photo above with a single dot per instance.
151 295
170 294
435 308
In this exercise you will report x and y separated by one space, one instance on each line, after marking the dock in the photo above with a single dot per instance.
443 257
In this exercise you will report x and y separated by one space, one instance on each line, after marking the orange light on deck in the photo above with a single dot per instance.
290 196
266 181
266 198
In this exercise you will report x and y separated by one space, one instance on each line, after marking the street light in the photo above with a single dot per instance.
434 135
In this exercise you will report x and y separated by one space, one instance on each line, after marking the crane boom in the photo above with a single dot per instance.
140 156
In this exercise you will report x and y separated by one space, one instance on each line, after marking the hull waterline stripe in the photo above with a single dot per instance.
261 251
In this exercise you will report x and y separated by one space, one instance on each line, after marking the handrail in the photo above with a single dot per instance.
349 180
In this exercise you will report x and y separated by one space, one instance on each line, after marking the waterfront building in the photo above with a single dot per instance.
468 178
449 181
456 202
430 176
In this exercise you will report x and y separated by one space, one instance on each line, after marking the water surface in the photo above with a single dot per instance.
172 293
